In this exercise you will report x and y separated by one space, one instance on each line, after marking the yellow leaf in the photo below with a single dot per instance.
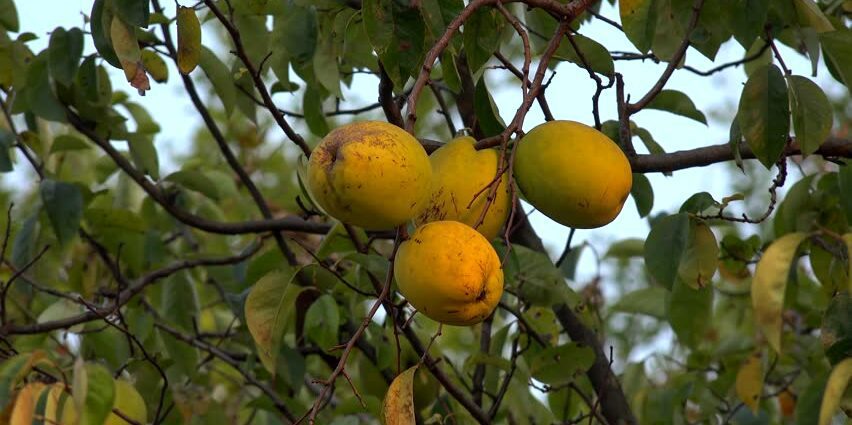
769 284
268 308
126 46
25 403
398 407
155 65
834 389
749 383
189 39
698 263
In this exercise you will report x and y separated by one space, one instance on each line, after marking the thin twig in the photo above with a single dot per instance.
632 108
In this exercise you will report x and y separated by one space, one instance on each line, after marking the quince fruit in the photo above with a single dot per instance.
370 174
450 273
129 402
573 174
460 172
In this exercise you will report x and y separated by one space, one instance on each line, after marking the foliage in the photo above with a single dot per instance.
224 296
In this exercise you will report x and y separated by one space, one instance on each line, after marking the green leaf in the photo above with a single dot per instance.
195 180
134 12
255 37
690 312
338 241
325 66
561 365
837 49
844 182
649 301
677 103
220 77
322 321
268 309
398 405
699 259
67 142
403 57
179 306
144 154
64 205
23 246
769 284
808 404
596 56
698 203
482 36
9 15
642 193
664 246
486 110
100 23
837 324
810 15
297 29
764 114
812 114
40 96
314 115
670 29
64 52
96 395
7 140
746 19
12 370
758 55
569 264
534 277
626 249
735 138
378 22
639 18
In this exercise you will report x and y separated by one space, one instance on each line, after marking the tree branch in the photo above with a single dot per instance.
833 147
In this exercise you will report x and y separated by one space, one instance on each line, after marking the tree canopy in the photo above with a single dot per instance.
215 289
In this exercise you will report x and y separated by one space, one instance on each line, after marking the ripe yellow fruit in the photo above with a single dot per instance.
459 172
450 273
371 174
59 398
573 174
128 402
25 404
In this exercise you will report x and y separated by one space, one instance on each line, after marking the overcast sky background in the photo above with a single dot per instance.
569 97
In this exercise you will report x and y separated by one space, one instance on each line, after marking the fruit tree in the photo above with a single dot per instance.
343 212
